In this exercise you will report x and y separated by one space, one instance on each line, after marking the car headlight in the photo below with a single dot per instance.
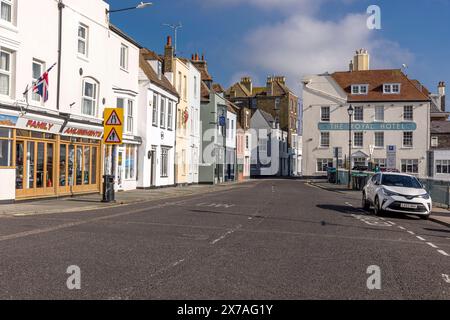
389 193
425 196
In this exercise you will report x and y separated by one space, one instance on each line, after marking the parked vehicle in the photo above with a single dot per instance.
396 192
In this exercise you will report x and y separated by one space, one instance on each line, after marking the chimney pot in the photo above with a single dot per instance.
169 41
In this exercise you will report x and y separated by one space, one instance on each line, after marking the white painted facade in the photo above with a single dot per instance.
33 38
322 91
194 126
157 154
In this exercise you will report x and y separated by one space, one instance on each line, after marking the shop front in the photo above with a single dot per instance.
43 155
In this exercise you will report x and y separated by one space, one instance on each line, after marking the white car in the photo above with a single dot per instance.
396 192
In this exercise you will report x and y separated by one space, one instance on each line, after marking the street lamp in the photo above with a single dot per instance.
350 115
141 5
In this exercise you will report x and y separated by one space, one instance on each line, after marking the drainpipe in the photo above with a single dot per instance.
58 90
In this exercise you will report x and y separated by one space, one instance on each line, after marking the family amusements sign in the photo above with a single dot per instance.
374 126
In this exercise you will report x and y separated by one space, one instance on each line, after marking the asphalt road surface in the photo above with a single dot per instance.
268 239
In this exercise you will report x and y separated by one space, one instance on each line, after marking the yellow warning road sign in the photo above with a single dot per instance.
113 126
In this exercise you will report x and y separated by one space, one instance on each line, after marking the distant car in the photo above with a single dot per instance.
396 192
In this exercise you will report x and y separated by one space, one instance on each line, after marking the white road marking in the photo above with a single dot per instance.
443 253
401 228
226 234
177 263
393 223
446 277
432 245
420 238
410 232
349 204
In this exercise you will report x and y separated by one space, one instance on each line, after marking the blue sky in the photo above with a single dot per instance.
297 37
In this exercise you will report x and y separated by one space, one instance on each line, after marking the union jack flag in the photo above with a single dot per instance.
41 85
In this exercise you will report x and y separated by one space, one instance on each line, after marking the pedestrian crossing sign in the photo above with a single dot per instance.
113 126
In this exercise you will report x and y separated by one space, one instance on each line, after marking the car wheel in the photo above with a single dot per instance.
424 217
365 203
377 208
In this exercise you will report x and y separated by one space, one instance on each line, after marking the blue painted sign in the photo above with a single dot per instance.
222 121
373 126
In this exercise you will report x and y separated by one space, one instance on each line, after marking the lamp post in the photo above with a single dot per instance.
141 5
350 114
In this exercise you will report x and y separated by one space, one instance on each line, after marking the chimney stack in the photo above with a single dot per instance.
441 92
351 66
361 61
269 85
247 83
168 56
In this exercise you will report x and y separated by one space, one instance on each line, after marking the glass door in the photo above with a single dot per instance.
20 165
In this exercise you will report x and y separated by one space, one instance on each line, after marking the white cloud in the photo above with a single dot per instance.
306 45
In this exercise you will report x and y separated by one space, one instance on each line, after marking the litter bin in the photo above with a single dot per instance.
331 173
359 180
108 188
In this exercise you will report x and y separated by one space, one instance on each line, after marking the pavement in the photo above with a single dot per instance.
265 239
94 201
439 214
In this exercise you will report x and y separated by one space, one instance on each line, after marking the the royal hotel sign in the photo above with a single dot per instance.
374 126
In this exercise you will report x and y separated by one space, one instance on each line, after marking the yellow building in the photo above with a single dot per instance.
177 71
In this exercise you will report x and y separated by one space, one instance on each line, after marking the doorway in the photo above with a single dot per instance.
152 155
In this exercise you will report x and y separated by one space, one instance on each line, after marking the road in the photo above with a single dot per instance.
265 239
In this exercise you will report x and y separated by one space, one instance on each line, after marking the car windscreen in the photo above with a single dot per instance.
400 181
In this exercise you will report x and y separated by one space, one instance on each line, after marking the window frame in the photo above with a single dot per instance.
377 109
155 110
435 141
93 99
323 114
362 114
164 170
362 139
322 162
42 68
162 113
409 113
391 88
323 137
359 90
377 133
85 40
7 72
130 116
170 115
409 163
10 140
124 56
11 5
407 146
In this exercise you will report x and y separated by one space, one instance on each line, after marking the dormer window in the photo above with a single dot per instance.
391 88
360 89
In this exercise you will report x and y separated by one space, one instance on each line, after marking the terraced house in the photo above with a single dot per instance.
51 142
276 99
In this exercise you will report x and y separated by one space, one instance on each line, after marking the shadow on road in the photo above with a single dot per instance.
338 208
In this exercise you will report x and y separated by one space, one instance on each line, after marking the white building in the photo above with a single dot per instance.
52 148
157 104
230 144
389 110
269 146
194 126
